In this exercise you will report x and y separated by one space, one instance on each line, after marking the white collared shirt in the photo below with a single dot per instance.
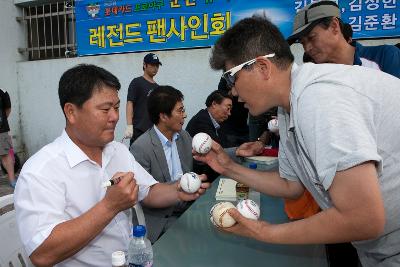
60 183
171 154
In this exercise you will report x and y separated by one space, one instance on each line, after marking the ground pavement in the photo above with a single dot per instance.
5 187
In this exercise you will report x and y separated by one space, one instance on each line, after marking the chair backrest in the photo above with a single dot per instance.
12 252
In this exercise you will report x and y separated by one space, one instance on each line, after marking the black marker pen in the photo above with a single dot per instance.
111 182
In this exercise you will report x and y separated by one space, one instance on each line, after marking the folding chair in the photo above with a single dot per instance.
12 252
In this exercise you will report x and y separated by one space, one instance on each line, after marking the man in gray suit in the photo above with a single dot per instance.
165 151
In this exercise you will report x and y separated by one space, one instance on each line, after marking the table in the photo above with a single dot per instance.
192 241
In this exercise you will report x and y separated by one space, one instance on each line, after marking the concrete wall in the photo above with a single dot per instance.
41 116
12 36
187 70
37 118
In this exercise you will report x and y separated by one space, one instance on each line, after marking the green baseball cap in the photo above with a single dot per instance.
306 19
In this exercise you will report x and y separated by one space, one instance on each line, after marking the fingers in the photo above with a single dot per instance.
216 147
203 177
205 185
235 214
124 178
182 195
178 186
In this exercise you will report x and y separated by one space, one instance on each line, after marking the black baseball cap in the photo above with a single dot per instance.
151 58
308 17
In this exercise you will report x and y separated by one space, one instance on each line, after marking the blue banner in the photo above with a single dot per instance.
368 18
104 27
117 26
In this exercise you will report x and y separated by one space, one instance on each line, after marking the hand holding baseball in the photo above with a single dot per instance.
201 143
216 158
219 215
248 227
185 196
190 182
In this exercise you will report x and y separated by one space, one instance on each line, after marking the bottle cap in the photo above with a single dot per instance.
118 258
139 230
253 165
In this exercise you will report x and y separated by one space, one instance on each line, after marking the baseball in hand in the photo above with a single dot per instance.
249 209
201 143
273 126
220 216
190 182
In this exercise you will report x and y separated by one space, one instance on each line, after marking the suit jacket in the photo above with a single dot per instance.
148 151
202 123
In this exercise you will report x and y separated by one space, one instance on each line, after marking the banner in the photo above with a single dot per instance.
368 18
118 26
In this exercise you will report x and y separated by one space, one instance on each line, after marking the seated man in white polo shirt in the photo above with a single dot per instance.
64 215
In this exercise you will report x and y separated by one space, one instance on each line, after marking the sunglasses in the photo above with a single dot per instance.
229 75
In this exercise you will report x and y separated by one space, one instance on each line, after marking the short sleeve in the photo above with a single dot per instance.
143 178
336 124
285 169
132 91
40 206
5 98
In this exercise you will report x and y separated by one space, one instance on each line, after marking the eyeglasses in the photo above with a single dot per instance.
229 75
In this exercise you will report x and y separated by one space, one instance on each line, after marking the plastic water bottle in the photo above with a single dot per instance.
140 253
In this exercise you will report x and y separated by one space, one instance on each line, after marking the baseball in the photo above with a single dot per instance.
201 143
273 126
220 216
249 209
190 182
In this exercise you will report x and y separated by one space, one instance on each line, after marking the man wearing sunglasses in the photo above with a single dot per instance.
339 140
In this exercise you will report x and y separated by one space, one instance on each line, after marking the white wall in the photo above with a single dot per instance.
187 70
12 36
33 85
41 116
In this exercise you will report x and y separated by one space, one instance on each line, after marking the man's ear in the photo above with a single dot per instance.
70 112
265 67
163 117
335 26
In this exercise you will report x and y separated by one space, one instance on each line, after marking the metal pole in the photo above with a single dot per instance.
51 30
58 31
65 29
30 33
37 32
44 32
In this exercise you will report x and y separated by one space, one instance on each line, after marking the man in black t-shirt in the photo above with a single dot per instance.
137 117
5 139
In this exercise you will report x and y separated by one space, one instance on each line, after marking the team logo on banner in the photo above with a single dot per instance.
93 9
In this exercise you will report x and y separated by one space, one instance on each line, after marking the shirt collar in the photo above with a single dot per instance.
164 140
214 122
75 155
